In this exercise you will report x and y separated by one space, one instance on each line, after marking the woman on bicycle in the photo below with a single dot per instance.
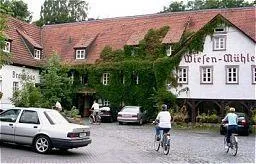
231 118
164 121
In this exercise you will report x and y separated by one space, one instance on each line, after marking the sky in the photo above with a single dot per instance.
110 8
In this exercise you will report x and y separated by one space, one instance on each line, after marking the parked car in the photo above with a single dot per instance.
43 129
131 114
243 125
106 114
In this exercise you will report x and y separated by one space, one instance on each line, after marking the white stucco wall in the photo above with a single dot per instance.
237 44
10 74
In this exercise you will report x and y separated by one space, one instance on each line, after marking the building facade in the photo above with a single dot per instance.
223 74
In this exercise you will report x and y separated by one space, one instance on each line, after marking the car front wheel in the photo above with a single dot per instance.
42 144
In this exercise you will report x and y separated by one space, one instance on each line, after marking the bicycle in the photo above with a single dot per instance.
233 146
94 119
164 142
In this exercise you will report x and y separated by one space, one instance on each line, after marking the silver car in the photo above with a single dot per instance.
43 129
131 114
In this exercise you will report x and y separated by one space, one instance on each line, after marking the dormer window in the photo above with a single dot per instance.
80 54
7 47
169 50
37 54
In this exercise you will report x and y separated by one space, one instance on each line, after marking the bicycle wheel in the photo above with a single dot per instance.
90 119
226 148
166 146
156 144
98 119
234 146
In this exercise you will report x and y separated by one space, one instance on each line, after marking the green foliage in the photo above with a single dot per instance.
203 118
16 8
62 11
28 95
206 4
174 7
5 57
254 116
55 83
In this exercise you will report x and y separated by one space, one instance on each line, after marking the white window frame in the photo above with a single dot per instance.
106 102
80 54
219 42
7 47
105 78
183 75
15 86
37 54
206 74
253 74
232 74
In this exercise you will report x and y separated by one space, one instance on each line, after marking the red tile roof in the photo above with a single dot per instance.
29 39
85 41
117 32
20 52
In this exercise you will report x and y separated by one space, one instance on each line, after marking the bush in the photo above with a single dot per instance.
203 118
74 112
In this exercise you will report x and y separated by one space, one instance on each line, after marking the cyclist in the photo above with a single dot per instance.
95 108
164 121
231 118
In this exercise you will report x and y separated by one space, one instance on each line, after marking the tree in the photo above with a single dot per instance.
29 95
55 83
16 8
5 57
206 4
62 11
175 6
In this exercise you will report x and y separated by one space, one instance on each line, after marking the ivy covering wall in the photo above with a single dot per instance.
149 62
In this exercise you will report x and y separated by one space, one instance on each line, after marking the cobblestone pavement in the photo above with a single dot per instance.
134 144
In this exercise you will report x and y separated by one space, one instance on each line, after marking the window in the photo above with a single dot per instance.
84 79
220 29
15 86
232 74
169 51
183 75
7 47
219 42
206 75
37 54
80 54
9 115
29 117
105 78
254 74
106 103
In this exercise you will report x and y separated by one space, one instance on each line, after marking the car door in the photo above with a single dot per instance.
8 123
27 127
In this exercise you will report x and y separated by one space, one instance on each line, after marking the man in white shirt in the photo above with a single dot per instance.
164 121
96 108
231 117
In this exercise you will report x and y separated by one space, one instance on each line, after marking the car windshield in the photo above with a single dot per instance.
55 117
131 109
